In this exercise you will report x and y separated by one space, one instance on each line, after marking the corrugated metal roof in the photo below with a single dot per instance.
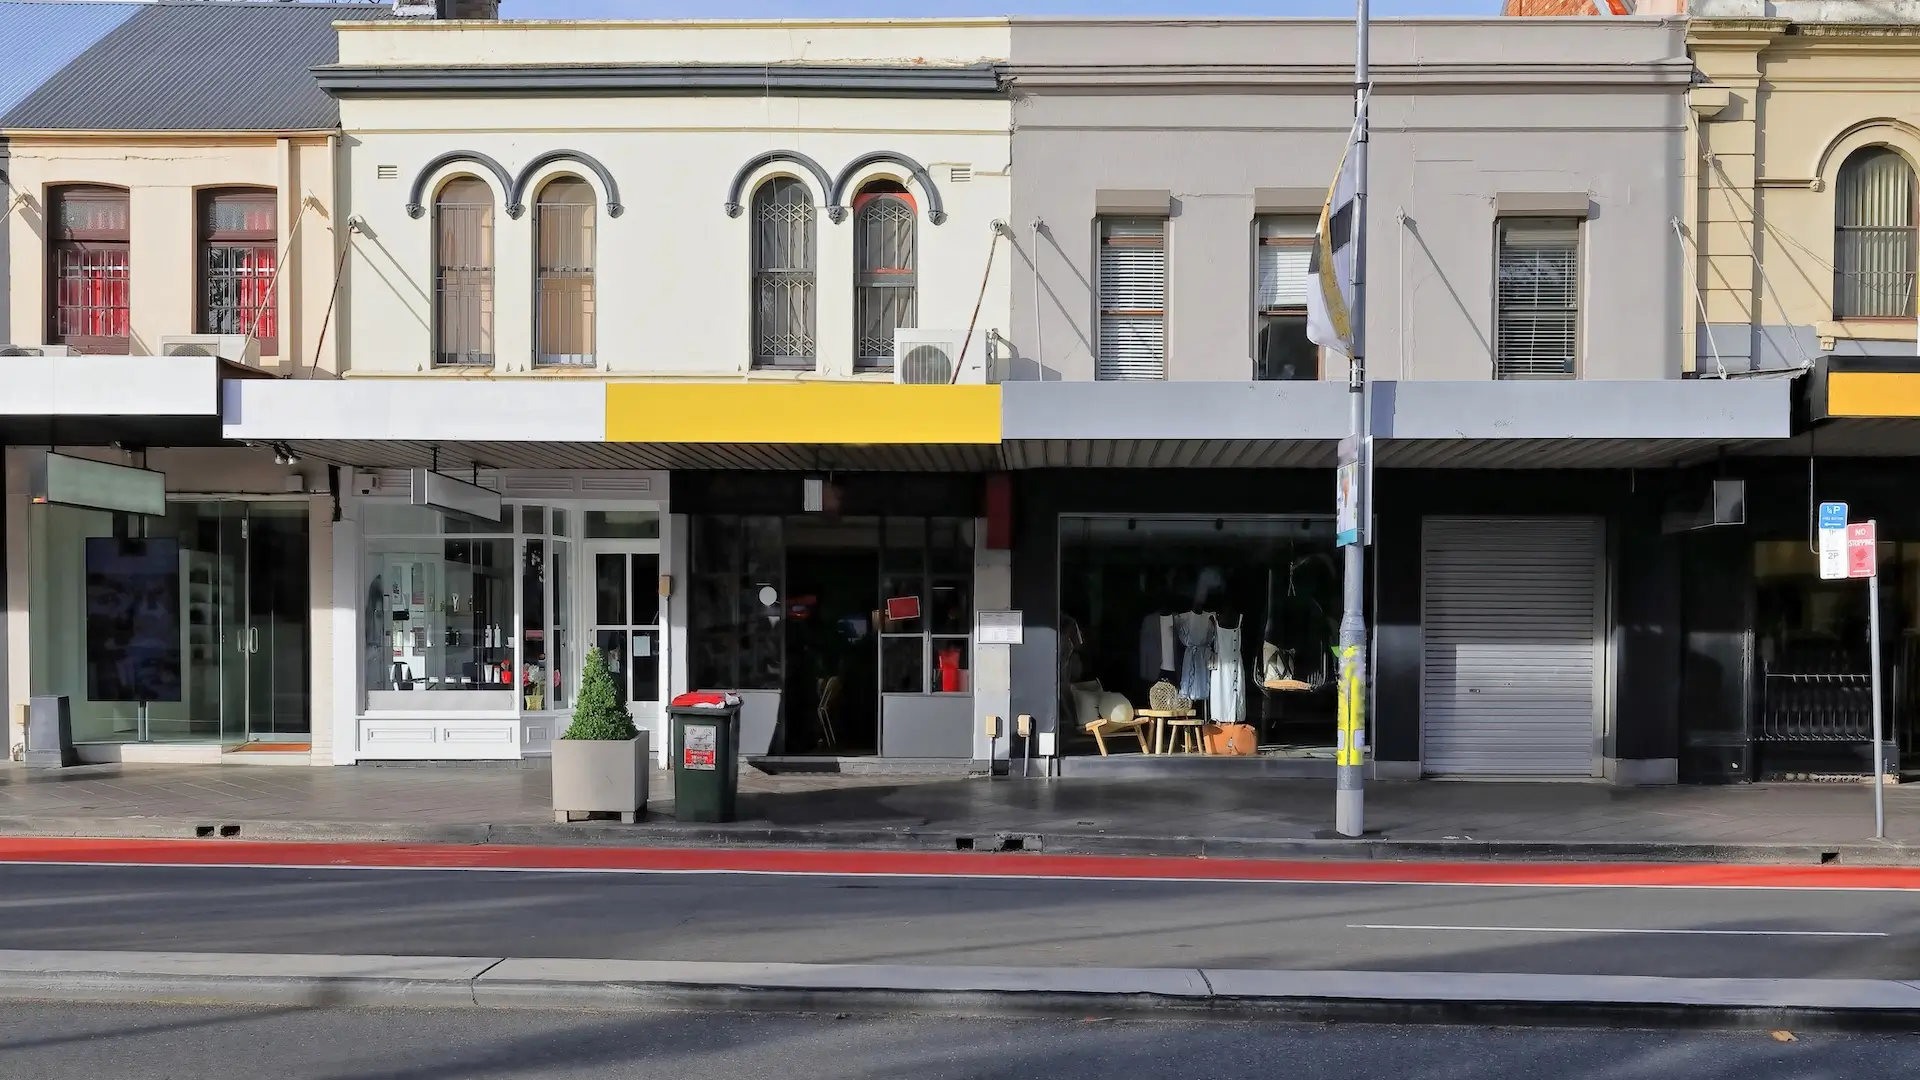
40 38
237 65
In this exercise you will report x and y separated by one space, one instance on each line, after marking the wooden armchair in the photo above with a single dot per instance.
1102 713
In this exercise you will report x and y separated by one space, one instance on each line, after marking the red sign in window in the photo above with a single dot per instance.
902 608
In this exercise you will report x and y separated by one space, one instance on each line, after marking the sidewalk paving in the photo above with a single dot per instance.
1171 816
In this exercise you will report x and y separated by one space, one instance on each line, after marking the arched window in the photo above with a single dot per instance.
87 271
1873 237
239 249
564 307
463 273
783 265
883 268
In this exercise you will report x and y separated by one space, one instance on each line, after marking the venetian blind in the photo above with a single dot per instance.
1281 260
1539 299
1133 299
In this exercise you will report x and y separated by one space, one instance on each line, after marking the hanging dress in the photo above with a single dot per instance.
1228 701
1196 633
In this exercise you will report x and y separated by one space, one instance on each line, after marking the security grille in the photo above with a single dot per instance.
783 274
1873 242
1133 299
564 220
1539 299
885 297
239 255
88 265
463 273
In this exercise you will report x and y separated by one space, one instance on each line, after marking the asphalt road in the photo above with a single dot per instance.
1672 932
58 1042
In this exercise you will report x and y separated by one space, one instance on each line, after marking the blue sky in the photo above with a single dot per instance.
762 9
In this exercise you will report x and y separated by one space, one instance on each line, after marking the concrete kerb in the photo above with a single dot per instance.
667 834
1359 996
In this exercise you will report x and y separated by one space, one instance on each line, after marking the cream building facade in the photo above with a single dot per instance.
171 231
618 289
1806 129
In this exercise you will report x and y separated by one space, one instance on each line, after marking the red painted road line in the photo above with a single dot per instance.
940 864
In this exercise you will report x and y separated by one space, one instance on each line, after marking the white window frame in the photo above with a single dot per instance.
1132 356
1533 367
1286 232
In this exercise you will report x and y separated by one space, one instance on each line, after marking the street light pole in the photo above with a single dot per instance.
1350 799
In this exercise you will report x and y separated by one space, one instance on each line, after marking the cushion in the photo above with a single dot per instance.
1117 708
1086 706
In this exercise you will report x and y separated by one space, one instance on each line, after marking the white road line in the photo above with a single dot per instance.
1621 930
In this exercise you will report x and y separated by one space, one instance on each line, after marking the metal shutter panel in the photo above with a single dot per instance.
1133 299
1510 679
1539 299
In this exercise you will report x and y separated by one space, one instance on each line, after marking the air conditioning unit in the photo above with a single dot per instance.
35 350
928 356
234 348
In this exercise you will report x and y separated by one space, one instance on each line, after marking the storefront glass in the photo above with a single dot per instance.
1812 659
856 620
189 627
440 606
472 615
546 611
1238 615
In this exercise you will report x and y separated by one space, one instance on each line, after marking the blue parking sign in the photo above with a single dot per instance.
1833 515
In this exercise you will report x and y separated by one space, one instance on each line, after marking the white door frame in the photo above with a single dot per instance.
646 714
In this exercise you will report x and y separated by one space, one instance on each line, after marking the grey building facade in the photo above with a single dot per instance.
1538 450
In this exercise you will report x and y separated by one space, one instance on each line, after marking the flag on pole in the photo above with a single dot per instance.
1330 288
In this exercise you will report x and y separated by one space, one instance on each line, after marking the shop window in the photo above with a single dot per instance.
190 626
734 623
783 274
1538 299
88 269
622 524
564 282
1281 257
1810 640
547 659
239 258
884 292
1873 241
1238 614
440 604
463 273
926 587
1132 275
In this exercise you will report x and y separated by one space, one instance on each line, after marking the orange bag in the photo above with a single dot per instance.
1229 740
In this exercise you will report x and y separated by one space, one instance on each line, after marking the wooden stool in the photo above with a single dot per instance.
1187 735
1164 718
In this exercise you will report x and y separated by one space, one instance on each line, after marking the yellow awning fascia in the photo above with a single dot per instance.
814 413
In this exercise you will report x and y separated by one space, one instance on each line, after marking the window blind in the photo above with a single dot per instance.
1873 239
1538 299
1281 261
1133 299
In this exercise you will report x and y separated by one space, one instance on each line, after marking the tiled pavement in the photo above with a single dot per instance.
1250 809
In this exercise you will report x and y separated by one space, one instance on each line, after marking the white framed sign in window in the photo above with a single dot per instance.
1002 628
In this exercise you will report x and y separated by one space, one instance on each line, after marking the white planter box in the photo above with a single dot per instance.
600 778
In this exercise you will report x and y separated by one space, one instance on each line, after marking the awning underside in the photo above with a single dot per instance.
1041 454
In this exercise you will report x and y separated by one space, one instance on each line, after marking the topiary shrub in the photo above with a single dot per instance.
598 715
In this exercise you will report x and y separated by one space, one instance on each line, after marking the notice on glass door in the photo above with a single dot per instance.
699 750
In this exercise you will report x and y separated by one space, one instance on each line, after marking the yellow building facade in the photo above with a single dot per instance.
1803 141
